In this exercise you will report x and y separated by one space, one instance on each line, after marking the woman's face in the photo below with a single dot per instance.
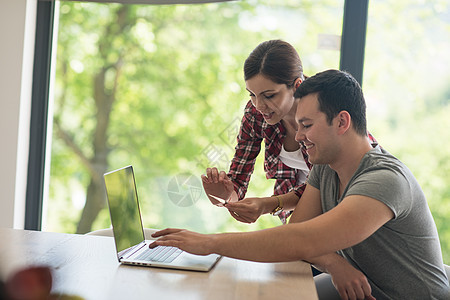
274 101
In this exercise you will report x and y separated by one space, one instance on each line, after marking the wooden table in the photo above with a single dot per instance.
86 267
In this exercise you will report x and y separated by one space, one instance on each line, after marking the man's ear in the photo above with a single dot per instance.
297 83
344 121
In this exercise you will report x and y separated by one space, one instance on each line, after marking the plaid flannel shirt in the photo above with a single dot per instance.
254 129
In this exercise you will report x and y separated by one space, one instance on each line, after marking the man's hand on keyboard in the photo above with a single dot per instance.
188 241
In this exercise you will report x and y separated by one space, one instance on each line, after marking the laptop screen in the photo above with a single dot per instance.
124 208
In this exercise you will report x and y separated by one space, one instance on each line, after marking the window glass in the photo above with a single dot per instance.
406 79
161 88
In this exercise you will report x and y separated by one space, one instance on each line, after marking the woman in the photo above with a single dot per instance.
272 72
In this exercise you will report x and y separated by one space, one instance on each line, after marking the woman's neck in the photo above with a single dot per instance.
289 121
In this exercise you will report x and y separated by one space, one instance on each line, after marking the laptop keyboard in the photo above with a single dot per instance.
160 254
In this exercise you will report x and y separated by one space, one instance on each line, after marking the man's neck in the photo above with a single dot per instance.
352 152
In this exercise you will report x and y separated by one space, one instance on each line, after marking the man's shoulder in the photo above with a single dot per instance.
321 169
319 175
380 161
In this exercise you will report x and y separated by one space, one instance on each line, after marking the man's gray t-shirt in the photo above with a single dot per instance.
402 259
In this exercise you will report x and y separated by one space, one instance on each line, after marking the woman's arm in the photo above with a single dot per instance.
249 210
247 149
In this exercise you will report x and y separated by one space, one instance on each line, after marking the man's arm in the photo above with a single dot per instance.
346 279
308 207
352 221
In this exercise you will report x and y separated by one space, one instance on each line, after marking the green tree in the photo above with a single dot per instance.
99 78
124 79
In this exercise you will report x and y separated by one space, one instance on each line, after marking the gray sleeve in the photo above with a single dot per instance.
314 177
387 186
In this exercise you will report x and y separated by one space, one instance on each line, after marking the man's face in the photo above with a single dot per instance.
274 101
314 132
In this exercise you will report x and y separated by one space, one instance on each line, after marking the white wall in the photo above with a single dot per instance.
17 30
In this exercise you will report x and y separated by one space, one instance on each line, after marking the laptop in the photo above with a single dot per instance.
131 246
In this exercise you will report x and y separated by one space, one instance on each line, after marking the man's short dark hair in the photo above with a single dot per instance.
337 91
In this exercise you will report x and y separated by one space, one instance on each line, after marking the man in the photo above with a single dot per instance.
363 217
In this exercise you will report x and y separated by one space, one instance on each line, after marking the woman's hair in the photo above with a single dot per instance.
276 60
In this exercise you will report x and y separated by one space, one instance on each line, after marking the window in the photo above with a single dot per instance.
406 78
161 88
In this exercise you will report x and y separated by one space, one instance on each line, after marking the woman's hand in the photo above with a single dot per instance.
247 210
218 184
